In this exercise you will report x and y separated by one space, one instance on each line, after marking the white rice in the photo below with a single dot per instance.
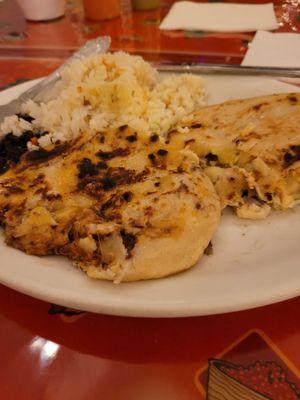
105 92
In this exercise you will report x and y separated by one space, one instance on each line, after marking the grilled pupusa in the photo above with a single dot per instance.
119 205
250 149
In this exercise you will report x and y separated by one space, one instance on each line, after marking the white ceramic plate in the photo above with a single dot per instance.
254 263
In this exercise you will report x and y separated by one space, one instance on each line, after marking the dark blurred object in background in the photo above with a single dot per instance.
99 10
145 4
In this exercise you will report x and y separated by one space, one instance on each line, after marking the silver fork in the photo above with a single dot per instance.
36 92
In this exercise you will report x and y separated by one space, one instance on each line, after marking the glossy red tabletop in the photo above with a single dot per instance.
50 352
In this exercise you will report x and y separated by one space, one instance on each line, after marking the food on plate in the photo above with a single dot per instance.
86 174
250 149
118 171
105 92
116 203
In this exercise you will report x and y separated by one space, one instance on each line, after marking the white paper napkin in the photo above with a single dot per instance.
274 50
220 17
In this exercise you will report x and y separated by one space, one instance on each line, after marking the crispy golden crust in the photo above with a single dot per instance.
119 205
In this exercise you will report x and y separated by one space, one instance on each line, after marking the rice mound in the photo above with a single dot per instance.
105 92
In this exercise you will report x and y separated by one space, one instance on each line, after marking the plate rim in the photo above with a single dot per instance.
158 309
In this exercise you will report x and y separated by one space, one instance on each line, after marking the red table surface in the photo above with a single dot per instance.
50 352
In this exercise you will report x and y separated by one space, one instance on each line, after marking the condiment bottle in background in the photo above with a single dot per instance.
145 4
99 10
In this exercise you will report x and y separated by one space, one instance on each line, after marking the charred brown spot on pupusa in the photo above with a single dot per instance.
162 152
122 128
269 196
71 235
190 141
183 188
102 165
210 157
12 148
295 148
3 211
96 237
53 196
148 211
26 117
120 176
110 179
152 158
129 241
154 138
291 156
109 210
4 166
86 102
5 208
87 168
38 180
108 155
109 183
170 134
132 138
110 203
127 196
245 193
104 265
14 189
288 158
257 107
196 126
42 190
293 99
41 155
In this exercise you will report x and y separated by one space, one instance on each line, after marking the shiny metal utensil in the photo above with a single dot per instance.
228 69
36 92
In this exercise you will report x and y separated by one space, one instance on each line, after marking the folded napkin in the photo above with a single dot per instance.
220 17
274 50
